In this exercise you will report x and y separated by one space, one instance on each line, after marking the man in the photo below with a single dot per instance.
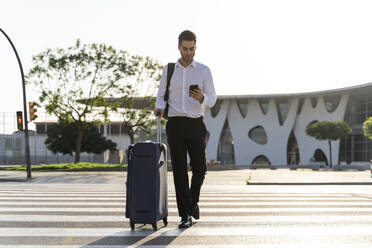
185 127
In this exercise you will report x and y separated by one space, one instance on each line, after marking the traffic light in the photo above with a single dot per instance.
19 121
32 110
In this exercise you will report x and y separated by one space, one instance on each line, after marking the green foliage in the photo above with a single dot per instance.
328 130
367 128
77 84
137 120
62 138
93 72
70 167
137 109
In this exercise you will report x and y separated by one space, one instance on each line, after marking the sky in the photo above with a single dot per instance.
251 47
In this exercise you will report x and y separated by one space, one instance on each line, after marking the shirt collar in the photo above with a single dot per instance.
193 64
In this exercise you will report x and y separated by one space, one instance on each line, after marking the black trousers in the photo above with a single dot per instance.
187 135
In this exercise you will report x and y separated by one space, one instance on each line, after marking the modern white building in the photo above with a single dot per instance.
270 129
247 129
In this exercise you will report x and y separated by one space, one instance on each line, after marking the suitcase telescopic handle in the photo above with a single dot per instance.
158 129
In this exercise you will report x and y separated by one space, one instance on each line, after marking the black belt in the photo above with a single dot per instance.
184 118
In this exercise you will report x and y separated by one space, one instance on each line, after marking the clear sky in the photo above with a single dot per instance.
251 47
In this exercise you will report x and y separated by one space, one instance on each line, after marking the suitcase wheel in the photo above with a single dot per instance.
154 226
165 221
132 225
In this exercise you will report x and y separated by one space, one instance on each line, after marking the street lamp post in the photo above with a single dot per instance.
27 145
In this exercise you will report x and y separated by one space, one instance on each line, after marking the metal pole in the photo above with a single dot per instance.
27 145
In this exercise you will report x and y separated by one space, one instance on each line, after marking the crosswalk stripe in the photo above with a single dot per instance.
241 219
201 198
205 210
67 217
206 204
357 245
114 194
227 204
195 231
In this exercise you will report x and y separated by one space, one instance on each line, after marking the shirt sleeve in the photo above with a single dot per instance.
160 103
210 96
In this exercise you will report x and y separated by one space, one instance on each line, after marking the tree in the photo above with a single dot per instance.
135 120
367 128
136 109
328 130
77 83
62 138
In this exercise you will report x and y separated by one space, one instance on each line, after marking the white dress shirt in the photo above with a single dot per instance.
180 103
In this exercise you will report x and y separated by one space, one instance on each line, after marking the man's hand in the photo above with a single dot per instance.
197 94
158 112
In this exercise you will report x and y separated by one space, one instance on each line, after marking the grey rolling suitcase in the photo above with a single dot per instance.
147 182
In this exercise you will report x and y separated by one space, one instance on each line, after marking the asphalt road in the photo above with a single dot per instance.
278 208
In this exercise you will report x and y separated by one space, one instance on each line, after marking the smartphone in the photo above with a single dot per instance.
194 87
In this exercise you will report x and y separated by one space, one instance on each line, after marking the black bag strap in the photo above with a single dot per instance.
169 76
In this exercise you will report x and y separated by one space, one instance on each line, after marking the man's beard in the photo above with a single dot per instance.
187 58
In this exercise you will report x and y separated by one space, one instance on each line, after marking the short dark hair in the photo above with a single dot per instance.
186 35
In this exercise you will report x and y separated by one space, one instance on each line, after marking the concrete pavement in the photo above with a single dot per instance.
228 174
86 209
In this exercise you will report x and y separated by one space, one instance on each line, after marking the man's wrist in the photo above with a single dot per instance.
202 100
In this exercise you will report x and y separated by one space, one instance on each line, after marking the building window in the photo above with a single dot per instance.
356 111
50 125
123 129
225 152
331 102
243 107
40 128
300 105
293 154
345 150
319 156
264 104
261 159
359 156
282 109
258 135
114 129
313 101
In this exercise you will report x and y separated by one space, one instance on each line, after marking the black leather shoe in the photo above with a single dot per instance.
196 213
185 222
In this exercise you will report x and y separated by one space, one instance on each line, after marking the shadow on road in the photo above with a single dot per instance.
140 236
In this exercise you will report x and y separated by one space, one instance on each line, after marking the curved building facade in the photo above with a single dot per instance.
270 129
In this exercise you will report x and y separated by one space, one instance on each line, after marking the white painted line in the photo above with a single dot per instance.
205 194
227 204
242 198
228 219
297 231
204 210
